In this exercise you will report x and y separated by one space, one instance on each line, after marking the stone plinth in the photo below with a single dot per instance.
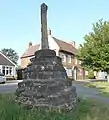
46 83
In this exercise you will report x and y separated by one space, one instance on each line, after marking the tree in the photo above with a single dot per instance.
11 54
94 53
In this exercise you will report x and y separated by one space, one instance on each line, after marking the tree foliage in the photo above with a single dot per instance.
94 53
91 74
11 54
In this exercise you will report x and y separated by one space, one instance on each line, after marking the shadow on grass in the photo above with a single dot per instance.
90 85
102 87
86 110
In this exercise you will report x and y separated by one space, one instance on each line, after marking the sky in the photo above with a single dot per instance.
69 20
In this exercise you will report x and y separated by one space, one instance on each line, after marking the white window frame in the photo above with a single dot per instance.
10 69
63 57
69 72
69 59
7 68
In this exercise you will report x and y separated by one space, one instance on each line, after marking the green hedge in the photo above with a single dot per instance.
91 74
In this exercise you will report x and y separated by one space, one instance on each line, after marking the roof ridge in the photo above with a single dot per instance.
35 45
7 58
61 40
65 45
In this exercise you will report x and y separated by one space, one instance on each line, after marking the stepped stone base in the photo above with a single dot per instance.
46 84
47 93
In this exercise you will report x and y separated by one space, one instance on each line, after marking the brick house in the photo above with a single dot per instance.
63 49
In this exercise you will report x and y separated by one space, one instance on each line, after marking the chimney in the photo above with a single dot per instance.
49 31
30 44
73 43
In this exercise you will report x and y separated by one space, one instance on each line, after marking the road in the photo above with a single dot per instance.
8 87
81 91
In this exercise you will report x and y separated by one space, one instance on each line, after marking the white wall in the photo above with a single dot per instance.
14 71
53 45
101 75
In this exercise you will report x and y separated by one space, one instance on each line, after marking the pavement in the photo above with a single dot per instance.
84 92
13 81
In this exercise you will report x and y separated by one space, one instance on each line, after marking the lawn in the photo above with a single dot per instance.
86 110
103 87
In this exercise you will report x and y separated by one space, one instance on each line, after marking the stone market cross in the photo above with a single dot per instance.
46 84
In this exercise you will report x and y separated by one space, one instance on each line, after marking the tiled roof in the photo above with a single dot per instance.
63 46
5 61
30 51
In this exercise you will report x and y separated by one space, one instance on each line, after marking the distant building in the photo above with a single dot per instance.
101 75
64 50
7 67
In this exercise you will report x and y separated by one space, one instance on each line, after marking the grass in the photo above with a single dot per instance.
86 110
103 87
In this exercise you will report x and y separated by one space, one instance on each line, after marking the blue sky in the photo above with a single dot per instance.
68 20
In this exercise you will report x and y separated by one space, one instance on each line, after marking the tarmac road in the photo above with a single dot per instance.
10 87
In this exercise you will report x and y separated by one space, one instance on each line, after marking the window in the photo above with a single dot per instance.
69 58
69 72
63 57
10 71
6 70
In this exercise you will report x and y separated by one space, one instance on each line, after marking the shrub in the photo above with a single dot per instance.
91 75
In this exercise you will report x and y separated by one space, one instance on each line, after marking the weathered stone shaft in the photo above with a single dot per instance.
44 39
